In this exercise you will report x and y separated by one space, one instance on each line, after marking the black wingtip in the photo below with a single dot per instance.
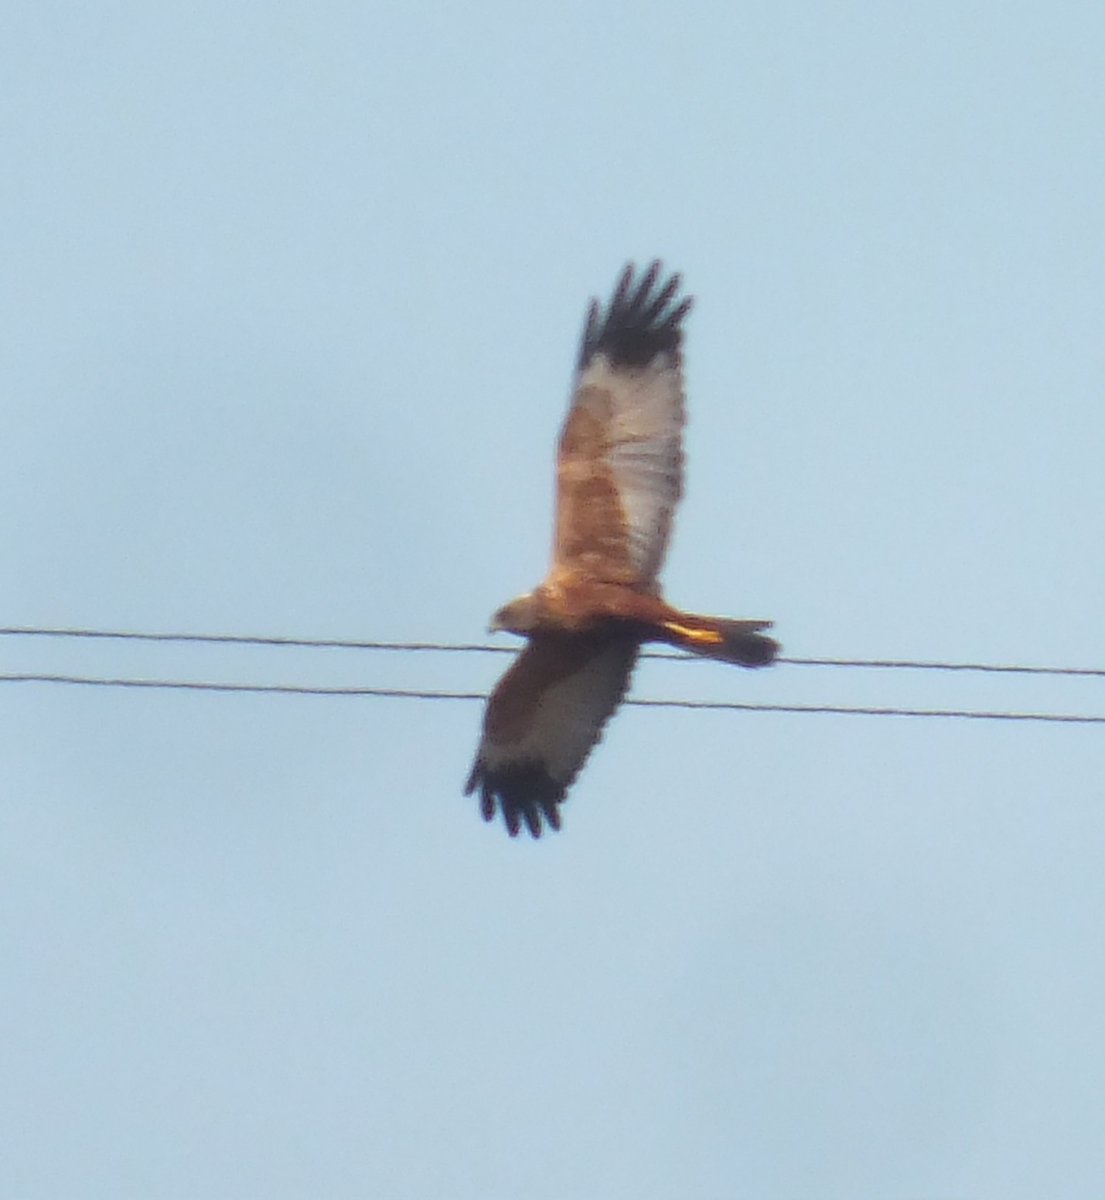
640 321
523 794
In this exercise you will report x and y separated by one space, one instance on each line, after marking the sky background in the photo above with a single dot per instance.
289 303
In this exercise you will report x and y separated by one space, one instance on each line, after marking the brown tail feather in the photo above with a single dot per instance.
715 637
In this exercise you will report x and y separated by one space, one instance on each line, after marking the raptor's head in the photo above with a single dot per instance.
520 616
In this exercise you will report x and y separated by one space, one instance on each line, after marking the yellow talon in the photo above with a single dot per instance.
704 637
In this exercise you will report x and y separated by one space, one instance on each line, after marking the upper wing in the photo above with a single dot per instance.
542 720
620 462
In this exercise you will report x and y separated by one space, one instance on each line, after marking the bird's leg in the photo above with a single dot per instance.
698 637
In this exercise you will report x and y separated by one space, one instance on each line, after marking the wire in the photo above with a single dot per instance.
245 640
481 648
466 647
907 665
287 689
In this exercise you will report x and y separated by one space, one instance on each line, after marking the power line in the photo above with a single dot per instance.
233 639
483 648
908 665
411 694
204 685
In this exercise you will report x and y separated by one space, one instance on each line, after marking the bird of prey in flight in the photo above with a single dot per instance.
619 477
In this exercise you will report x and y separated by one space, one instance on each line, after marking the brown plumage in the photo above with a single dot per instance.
619 478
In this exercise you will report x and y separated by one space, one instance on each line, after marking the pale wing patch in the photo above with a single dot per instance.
565 716
620 469
542 721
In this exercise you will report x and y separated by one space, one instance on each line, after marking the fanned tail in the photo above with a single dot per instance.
738 642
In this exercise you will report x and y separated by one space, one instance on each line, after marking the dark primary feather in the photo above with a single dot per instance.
523 791
640 320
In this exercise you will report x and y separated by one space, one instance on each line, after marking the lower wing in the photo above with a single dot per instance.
542 720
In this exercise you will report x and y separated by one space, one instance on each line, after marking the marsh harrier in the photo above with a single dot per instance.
619 477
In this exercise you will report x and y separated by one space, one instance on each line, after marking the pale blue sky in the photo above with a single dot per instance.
290 302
